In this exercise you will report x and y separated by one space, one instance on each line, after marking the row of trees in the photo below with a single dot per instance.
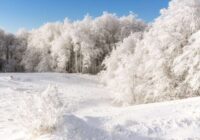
162 64
78 46
69 46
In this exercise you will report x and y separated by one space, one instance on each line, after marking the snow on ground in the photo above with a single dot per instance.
77 107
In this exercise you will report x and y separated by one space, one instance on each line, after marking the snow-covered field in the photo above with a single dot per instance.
53 106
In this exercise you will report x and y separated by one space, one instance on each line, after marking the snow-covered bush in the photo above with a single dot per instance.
41 114
164 64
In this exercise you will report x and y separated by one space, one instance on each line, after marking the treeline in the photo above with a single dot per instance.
69 46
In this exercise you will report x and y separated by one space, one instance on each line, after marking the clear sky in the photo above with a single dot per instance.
15 14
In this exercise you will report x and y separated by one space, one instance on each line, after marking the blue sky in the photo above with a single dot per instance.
15 14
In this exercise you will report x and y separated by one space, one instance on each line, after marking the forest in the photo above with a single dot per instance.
70 46
140 62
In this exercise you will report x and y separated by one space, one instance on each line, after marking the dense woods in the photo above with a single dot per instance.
71 46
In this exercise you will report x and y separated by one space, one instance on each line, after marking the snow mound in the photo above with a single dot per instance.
6 78
46 116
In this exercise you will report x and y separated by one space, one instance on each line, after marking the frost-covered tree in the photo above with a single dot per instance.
21 46
118 67
2 50
151 73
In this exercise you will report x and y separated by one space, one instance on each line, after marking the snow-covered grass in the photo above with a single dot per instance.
77 107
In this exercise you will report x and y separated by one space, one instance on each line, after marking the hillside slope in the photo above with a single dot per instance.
78 107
